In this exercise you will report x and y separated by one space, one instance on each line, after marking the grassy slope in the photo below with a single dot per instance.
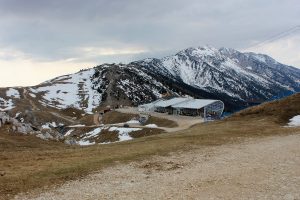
162 122
280 110
114 117
30 163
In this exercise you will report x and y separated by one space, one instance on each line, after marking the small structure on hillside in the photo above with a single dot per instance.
205 108
166 105
143 118
161 105
149 107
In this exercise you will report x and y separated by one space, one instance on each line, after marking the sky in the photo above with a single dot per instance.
41 39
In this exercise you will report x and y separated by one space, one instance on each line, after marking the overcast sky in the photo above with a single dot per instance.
40 39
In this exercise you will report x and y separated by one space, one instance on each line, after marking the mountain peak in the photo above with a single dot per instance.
228 51
239 79
201 51
229 72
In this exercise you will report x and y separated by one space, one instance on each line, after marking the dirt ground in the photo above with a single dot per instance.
184 122
258 168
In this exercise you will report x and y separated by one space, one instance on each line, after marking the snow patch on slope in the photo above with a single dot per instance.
124 132
6 105
70 91
11 92
88 137
259 57
123 135
295 121
7 102
85 143
151 126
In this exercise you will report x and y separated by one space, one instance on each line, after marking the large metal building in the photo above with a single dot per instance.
205 108
208 109
166 105
149 107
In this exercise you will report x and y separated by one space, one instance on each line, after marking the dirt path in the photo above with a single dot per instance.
184 122
96 119
63 117
265 168
25 94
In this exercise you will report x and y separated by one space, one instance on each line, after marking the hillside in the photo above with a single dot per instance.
278 110
238 79
49 163
67 108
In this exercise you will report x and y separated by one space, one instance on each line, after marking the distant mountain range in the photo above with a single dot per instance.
238 79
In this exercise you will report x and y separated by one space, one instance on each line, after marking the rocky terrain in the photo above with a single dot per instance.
250 155
238 79
69 105
16 125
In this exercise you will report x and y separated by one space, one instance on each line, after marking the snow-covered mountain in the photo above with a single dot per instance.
228 73
88 90
238 79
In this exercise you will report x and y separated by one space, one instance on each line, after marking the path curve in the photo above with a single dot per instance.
184 122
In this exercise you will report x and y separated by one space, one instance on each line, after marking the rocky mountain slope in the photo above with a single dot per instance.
66 104
238 79
243 78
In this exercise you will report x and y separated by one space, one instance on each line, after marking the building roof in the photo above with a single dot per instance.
181 102
171 102
195 103
151 104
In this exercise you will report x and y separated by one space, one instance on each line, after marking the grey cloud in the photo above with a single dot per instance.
55 29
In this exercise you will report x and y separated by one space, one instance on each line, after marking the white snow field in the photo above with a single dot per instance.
123 135
70 90
295 121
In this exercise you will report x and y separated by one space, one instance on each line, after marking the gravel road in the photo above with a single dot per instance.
261 168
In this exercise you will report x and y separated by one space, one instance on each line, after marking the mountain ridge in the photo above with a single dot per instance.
214 62
239 79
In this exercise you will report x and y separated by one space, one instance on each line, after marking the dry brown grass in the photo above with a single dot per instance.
43 117
280 110
80 130
114 117
107 136
30 163
118 117
146 132
87 120
72 112
161 122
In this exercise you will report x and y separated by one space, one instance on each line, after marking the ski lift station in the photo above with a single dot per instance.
205 108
